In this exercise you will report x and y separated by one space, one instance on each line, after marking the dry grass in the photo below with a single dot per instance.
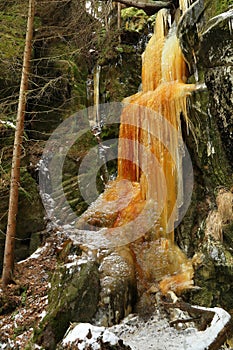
224 202
220 217
214 225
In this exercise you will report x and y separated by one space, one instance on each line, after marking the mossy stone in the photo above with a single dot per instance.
73 298
30 217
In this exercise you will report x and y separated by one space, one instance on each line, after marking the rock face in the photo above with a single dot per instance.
205 34
216 55
206 39
73 298
86 288
30 217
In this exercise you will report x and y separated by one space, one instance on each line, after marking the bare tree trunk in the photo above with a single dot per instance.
119 20
8 263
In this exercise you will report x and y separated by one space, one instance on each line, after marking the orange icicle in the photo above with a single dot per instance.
150 163
163 95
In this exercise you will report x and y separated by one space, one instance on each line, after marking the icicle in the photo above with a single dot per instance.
230 23
173 65
185 4
196 76
97 92
151 68
150 157
89 91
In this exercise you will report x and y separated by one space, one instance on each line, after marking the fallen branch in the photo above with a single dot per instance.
180 320
218 326
148 6
206 315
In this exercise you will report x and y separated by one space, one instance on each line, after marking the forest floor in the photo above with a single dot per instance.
25 301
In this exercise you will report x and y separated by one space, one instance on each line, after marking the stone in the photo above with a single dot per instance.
73 297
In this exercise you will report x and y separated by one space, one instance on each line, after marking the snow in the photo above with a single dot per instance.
75 261
82 330
8 123
9 345
42 315
7 326
67 227
203 339
36 254
109 337
156 333
37 346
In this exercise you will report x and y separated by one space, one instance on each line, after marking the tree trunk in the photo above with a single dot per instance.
119 21
8 263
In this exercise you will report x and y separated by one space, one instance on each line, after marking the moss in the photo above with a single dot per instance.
228 234
30 218
205 278
205 297
221 6
72 298
134 20
209 150
13 28
121 80
214 276
131 12
29 198
210 166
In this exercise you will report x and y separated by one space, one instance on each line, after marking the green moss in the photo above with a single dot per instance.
228 234
30 216
13 29
222 6
134 20
208 152
131 12
72 298
29 198
214 276
205 278
205 297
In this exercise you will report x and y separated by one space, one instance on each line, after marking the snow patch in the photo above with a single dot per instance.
8 123
89 336
36 254
42 315
202 340
156 333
